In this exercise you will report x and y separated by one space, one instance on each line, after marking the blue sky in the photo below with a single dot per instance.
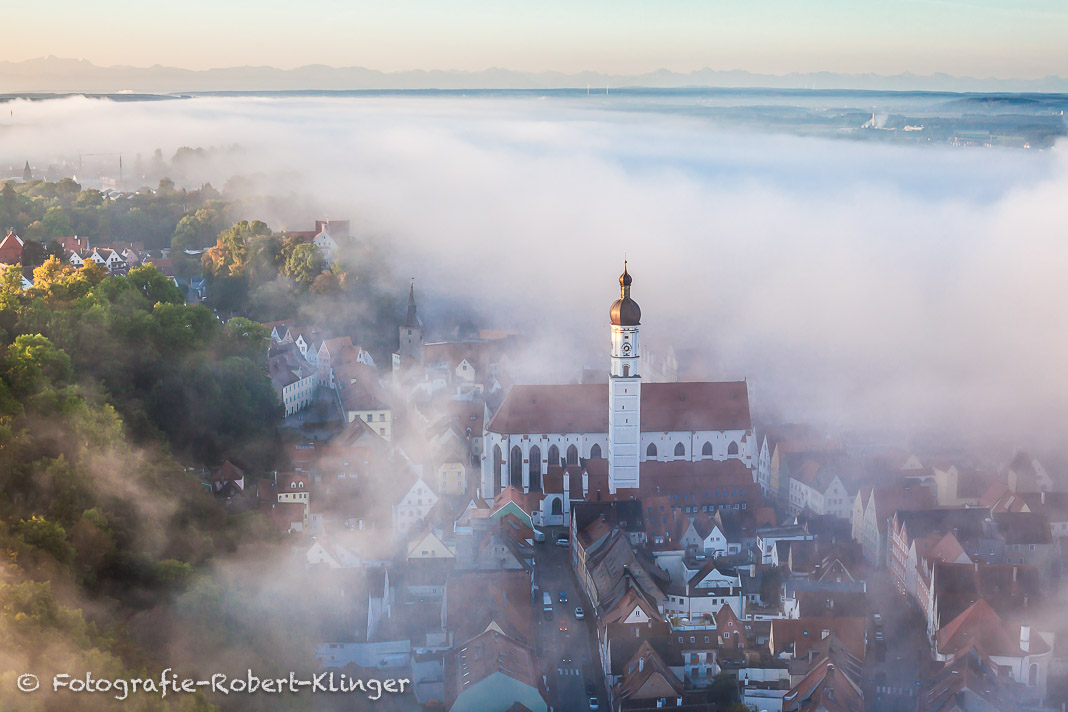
1023 39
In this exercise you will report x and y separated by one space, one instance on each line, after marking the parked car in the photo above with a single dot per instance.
563 541
579 613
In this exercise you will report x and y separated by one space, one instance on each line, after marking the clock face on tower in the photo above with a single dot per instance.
626 348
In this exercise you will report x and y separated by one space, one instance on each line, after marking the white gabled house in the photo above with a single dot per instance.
428 545
704 535
414 505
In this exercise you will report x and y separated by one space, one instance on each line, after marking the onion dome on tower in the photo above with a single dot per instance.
625 311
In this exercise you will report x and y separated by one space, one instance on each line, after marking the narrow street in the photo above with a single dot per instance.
894 665
566 645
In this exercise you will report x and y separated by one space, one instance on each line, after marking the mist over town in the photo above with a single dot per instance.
563 387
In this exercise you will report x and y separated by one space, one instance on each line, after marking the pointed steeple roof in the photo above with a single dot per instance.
412 319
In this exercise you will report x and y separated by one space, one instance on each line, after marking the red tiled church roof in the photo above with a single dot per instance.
665 407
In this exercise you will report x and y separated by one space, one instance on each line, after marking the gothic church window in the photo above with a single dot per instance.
651 450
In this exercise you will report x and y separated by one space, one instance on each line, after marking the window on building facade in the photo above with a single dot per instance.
706 450
651 450
680 450
732 449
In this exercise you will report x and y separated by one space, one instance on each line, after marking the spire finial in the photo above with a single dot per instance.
625 280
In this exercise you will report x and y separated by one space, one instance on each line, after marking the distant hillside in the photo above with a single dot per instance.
54 74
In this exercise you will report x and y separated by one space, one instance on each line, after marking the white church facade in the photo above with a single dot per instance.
625 422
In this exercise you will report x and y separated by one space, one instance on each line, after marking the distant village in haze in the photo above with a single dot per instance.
632 540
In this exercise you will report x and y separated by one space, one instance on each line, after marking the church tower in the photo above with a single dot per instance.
624 390
411 333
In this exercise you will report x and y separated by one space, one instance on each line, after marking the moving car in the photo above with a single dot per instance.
579 613
594 704
563 597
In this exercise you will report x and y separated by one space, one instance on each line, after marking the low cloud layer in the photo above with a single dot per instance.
862 284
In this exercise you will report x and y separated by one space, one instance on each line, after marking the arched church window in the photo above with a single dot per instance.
515 467
595 452
706 451
535 468
651 450
572 455
732 449
680 450
554 455
626 370
498 458
558 506
1032 675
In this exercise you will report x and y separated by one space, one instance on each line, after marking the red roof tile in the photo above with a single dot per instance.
665 407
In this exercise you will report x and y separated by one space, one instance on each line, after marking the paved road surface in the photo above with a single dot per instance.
568 656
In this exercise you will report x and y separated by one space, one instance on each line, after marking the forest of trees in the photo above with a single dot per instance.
41 211
114 393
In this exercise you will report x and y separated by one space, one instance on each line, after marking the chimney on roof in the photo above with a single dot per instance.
1025 638
641 663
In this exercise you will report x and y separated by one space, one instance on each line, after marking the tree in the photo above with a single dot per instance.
154 285
771 585
304 263
33 254
56 222
55 249
31 361
229 256
94 274
248 338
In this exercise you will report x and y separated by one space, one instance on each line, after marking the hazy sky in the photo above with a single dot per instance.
1021 39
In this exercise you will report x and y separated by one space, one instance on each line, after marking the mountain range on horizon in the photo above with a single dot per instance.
60 75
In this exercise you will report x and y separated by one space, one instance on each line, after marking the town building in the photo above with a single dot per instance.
626 423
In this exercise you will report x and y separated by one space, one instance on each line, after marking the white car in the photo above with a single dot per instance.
563 541
579 613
